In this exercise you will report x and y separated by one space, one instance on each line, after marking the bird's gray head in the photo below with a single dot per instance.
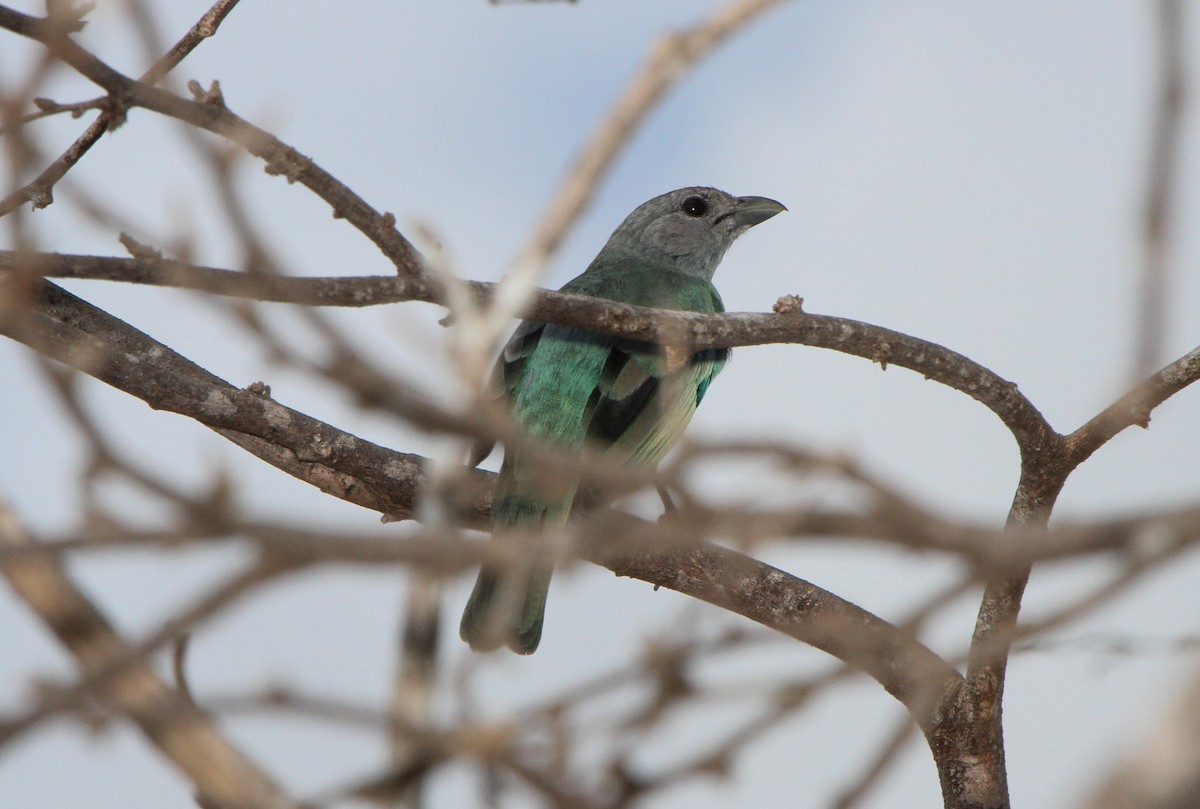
688 230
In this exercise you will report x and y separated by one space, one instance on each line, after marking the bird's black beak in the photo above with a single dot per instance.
750 211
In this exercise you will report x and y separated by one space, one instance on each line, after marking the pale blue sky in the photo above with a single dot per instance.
970 173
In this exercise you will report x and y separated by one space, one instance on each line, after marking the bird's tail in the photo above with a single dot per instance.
506 607
508 603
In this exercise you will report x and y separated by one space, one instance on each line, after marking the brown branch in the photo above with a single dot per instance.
969 752
78 334
39 191
1044 474
211 115
47 108
350 291
670 61
967 739
103 672
280 698
413 689
1034 435
221 773
1134 407
906 669
125 358
1138 537
1161 180
978 721
971 766
204 28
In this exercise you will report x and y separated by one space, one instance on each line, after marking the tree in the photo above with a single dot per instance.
704 692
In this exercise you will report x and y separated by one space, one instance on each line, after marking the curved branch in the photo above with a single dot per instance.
737 583
77 333
906 669
39 191
221 772
74 332
670 60
1033 433
1042 478
211 115
1134 407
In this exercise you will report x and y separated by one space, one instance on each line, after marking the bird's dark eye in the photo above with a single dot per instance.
695 206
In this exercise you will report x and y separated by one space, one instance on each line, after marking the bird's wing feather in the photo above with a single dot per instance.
570 388
640 408
506 374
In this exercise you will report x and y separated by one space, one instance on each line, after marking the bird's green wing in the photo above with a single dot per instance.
510 365
639 407
548 391
569 388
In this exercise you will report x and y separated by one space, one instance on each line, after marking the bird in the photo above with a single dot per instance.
571 389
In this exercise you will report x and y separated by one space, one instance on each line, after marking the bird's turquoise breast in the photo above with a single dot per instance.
630 283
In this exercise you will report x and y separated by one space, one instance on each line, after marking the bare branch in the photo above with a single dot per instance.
1042 477
1134 407
102 673
905 668
82 336
210 114
1162 176
204 28
887 347
185 736
670 61
1163 770
760 592
39 191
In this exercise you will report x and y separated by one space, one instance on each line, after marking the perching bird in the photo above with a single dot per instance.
571 388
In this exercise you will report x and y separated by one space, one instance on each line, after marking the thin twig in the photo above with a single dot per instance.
103 672
1162 177
884 346
221 773
39 191
671 59
209 113
876 766
1134 407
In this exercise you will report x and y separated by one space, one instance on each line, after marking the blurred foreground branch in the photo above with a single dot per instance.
221 773
959 713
